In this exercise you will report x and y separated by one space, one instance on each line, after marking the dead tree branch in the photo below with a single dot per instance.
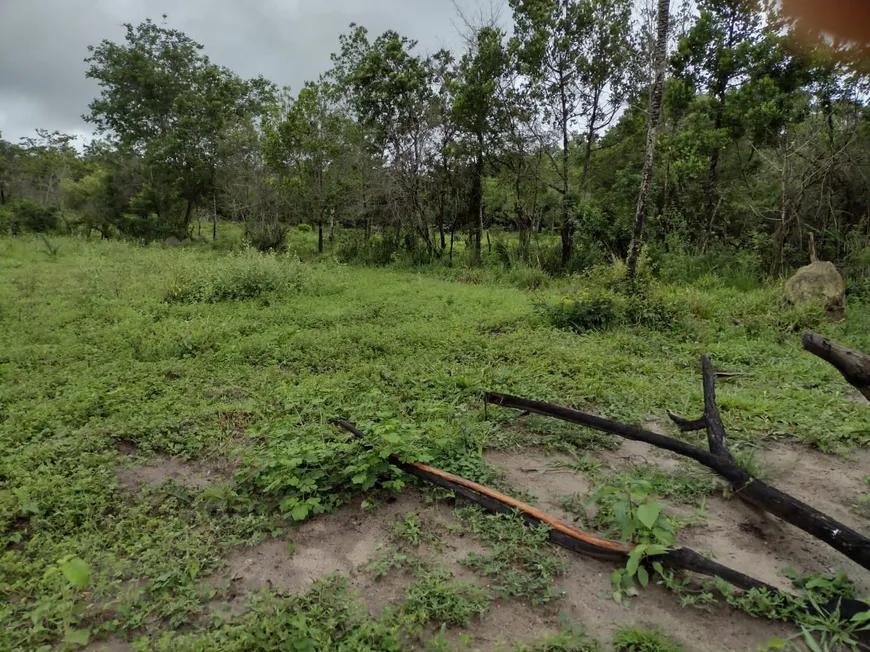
576 540
839 536
854 365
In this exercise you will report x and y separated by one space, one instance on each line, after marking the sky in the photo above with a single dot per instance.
43 43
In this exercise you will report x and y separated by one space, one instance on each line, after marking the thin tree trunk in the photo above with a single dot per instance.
567 227
331 228
214 218
320 236
590 134
712 174
655 114
476 207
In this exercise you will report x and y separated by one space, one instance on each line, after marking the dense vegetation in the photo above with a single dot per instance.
240 362
538 131
500 186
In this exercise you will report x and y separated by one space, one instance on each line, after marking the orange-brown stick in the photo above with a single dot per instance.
556 524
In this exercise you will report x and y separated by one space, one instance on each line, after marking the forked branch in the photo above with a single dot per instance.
839 536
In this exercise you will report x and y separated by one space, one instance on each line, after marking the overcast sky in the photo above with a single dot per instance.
43 43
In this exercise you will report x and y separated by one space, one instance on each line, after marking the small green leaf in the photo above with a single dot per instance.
648 514
864 616
617 597
76 571
300 512
291 547
642 576
77 636
633 563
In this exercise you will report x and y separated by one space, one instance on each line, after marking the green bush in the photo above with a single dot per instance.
266 236
588 310
304 228
528 278
30 215
243 276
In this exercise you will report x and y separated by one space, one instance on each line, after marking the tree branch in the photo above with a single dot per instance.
853 365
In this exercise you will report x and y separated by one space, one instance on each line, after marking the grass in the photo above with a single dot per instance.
633 639
241 362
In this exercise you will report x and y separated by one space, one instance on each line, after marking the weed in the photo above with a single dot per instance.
521 563
570 639
632 512
635 639
435 597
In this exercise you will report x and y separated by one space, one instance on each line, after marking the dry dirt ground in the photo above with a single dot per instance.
736 535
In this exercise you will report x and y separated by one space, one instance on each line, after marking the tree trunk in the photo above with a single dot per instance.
442 201
214 218
655 114
567 227
590 134
476 204
320 237
331 228
188 213
712 174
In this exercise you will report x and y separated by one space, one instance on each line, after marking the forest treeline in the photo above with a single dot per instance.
538 130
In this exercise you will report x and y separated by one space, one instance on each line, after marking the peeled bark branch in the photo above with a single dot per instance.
854 365
576 540
747 487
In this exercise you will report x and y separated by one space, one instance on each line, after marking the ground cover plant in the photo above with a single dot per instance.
117 358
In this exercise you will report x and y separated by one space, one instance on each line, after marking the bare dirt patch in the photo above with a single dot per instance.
342 543
161 468
546 477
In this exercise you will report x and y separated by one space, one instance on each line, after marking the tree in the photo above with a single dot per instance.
714 58
306 147
655 111
549 37
476 110
391 91
163 100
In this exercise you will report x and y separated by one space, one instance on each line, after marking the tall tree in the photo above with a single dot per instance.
162 99
655 112
549 36
476 112
714 58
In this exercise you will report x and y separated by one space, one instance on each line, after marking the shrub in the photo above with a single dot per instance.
243 276
30 215
266 236
305 228
528 278
589 310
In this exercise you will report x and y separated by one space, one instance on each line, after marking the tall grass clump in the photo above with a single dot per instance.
240 276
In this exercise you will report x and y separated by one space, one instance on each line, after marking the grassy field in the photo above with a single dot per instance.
113 355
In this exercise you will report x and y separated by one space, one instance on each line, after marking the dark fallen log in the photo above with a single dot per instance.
853 365
572 538
839 536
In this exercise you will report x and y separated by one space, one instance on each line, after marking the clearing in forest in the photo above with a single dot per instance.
172 479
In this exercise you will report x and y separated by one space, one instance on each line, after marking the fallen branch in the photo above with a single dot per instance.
576 540
791 510
854 365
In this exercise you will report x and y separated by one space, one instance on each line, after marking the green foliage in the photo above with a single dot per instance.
29 215
434 597
632 512
521 562
241 276
633 639
601 309
94 358
570 639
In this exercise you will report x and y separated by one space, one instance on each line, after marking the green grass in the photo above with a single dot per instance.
242 362
633 639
